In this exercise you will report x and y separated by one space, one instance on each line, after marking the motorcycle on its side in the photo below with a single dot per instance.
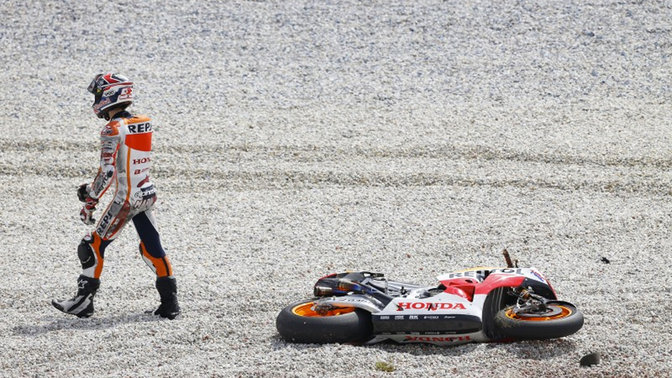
473 305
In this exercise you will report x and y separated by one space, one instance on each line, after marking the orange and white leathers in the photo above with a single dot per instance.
125 160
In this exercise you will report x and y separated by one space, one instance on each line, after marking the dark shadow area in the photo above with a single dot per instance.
532 350
61 322
277 343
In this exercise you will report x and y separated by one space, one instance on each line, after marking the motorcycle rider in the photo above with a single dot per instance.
125 159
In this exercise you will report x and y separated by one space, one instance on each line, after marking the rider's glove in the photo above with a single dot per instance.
83 192
86 214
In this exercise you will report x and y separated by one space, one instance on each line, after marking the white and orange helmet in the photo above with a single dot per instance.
111 90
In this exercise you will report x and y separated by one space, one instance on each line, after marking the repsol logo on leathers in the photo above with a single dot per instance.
140 127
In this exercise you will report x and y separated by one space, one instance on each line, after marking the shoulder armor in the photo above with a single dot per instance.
111 129
138 119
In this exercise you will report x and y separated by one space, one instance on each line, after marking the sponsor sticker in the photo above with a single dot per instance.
430 306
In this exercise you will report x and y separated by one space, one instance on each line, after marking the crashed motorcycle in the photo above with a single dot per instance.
474 305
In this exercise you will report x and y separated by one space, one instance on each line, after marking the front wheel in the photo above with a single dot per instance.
558 320
300 323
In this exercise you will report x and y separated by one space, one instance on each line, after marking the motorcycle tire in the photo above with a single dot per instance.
299 323
562 319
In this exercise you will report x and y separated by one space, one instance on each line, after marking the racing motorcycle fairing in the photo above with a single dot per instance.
465 306
446 311
442 313
484 280
436 339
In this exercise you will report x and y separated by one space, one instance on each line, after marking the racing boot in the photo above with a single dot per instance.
167 287
81 305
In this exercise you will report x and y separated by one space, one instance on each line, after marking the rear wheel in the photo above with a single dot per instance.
559 319
300 323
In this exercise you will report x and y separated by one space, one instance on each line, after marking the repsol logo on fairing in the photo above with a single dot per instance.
140 127
429 306
480 274
142 160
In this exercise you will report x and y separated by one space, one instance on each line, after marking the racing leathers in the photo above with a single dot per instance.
125 161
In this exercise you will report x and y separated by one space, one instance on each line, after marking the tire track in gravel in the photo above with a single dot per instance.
307 153
241 166
295 179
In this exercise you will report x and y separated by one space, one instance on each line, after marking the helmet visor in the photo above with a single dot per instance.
95 88
94 84
98 95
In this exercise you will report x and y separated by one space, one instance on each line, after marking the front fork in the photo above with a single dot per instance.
528 302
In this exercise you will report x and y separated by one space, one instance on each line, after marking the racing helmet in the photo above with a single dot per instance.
111 91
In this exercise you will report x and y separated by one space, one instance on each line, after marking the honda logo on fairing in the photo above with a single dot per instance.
429 306
142 161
